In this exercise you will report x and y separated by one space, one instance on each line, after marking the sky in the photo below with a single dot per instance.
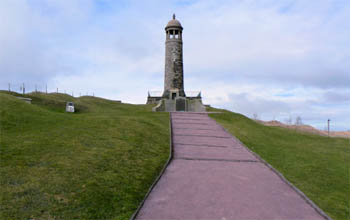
276 59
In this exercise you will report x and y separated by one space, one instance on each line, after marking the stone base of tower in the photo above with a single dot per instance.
183 104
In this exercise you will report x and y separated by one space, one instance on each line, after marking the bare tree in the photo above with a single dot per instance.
298 121
255 116
289 120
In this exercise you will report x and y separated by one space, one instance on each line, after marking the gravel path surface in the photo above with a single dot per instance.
212 176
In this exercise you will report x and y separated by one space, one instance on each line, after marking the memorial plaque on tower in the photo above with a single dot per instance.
181 104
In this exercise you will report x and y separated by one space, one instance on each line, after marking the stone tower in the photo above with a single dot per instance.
173 74
174 98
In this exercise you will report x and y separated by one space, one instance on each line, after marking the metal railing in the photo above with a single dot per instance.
25 88
188 93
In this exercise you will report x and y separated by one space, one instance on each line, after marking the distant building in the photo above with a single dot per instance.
174 97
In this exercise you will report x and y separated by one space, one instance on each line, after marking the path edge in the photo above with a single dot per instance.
171 149
280 175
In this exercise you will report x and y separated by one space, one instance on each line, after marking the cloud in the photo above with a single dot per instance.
264 44
336 97
275 58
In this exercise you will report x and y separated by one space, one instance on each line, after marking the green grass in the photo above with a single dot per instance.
319 166
97 163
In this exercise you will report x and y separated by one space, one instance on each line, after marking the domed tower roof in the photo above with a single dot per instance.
173 23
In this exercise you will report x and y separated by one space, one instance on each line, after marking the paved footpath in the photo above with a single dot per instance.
212 176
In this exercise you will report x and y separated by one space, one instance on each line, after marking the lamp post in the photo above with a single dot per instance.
328 126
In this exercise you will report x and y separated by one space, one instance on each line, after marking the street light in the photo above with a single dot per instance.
328 126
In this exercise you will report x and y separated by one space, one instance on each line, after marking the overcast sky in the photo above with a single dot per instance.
278 59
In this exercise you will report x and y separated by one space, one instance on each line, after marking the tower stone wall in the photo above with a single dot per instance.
173 73
174 97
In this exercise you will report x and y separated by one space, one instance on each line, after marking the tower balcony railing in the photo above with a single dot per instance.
155 93
188 93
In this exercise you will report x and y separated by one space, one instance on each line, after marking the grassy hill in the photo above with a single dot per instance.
94 164
99 162
319 166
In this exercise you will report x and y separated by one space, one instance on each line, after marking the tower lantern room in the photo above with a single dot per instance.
174 29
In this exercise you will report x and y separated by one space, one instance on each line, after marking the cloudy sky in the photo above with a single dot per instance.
278 59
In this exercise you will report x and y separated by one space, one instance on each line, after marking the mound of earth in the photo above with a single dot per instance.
306 128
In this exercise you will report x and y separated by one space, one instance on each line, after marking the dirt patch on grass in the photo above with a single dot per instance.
306 128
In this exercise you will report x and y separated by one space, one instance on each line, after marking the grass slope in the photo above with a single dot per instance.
319 166
94 164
